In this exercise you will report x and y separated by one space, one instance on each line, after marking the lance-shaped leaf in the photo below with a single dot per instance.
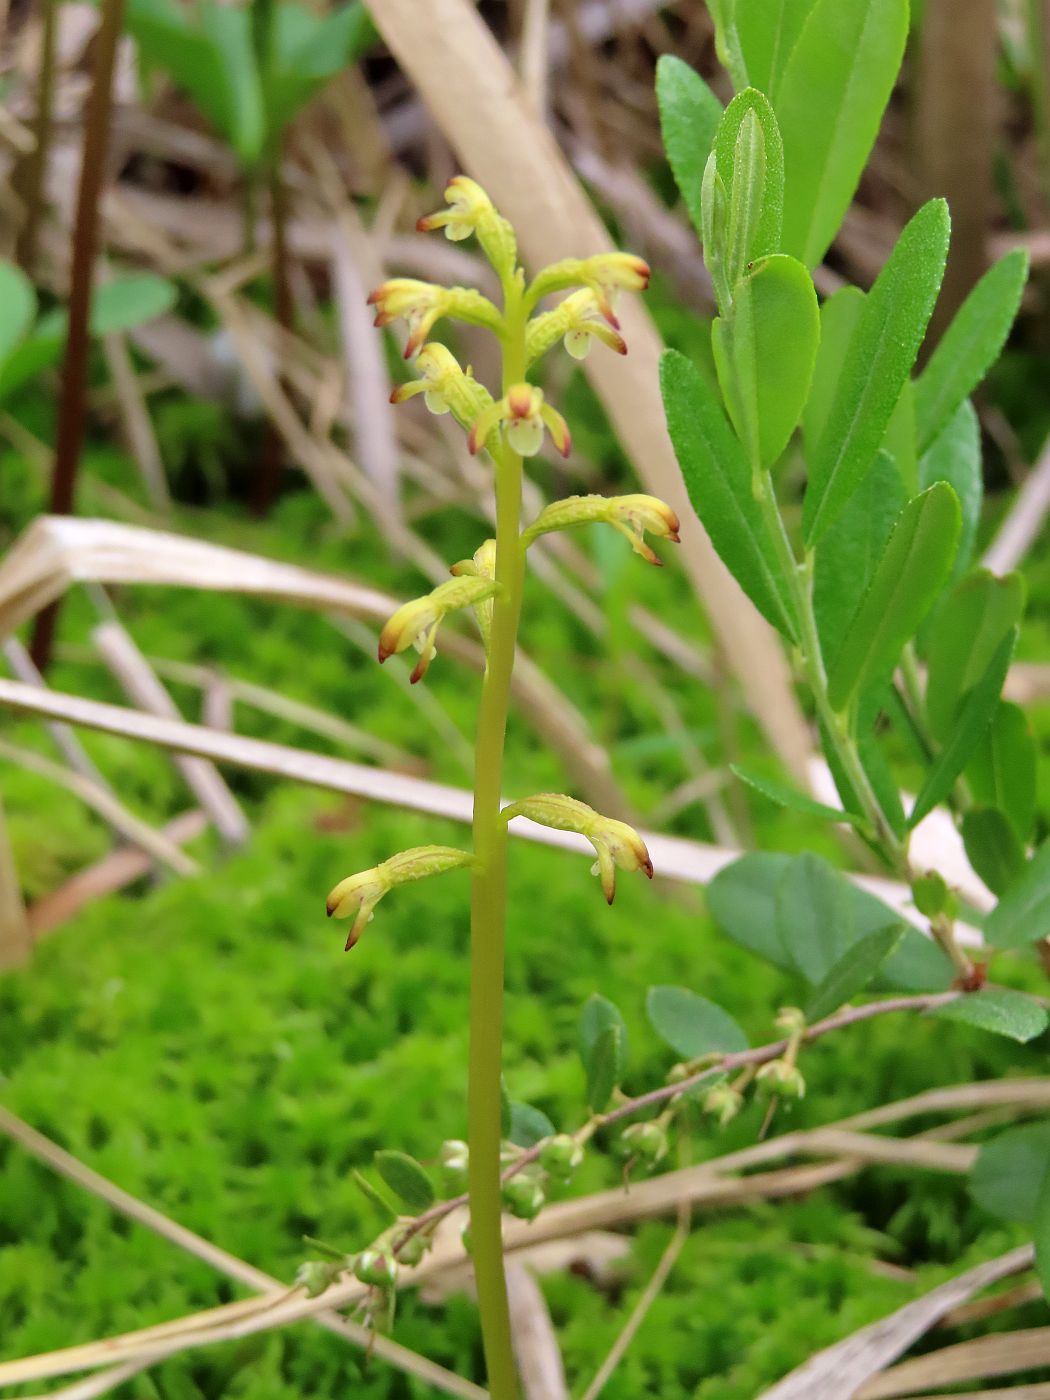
882 349
1010 1170
689 117
848 555
1003 772
838 321
749 158
604 1066
717 476
992 847
971 721
765 385
829 103
792 799
968 629
854 970
955 457
969 345
910 575
691 1025
1023 914
767 31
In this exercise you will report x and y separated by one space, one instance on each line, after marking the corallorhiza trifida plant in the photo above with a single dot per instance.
509 424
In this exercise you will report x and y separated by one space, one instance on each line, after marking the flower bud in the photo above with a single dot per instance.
412 1251
523 413
454 1160
315 1276
359 894
422 304
446 388
523 1196
633 516
561 1155
781 1078
376 1267
724 1103
576 321
416 623
791 1020
471 211
604 275
616 843
646 1141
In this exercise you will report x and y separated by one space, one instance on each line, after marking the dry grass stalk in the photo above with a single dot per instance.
143 687
72 750
65 1164
840 1371
1002 1354
137 423
709 1185
540 1367
461 73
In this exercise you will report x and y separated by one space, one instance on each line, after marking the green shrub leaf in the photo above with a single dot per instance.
718 478
829 102
691 1025
689 117
889 329
794 800
999 1010
992 847
969 345
17 307
955 458
406 1178
749 157
774 306
971 722
767 31
375 1197
1023 914
1008 1176
605 1066
597 1015
909 576
968 629
1003 771
853 971
528 1125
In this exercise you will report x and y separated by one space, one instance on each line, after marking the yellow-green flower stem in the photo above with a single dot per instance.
489 897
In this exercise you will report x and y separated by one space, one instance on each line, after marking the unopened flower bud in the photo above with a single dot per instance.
616 844
791 1020
482 565
422 304
633 516
376 1267
523 1196
414 1248
315 1276
416 623
605 274
359 894
724 1103
470 210
453 1160
646 1141
523 413
781 1078
561 1155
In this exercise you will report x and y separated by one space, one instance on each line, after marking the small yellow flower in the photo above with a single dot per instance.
615 843
359 894
633 516
445 386
422 304
605 274
577 322
416 623
523 412
471 211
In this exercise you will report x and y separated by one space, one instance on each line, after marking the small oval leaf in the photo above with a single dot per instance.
854 970
999 1010
406 1178
691 1025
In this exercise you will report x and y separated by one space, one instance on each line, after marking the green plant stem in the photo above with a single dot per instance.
489 903
799 581
70 433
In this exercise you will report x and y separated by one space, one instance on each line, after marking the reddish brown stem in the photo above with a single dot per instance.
70 436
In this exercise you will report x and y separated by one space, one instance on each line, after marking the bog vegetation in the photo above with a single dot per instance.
765 1126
